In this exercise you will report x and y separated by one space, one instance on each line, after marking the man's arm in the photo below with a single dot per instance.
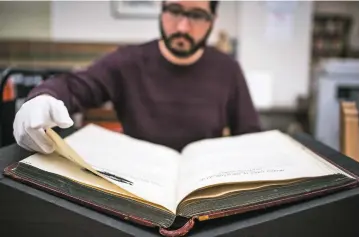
87 88
242 115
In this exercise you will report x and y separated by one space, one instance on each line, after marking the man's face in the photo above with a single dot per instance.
185 26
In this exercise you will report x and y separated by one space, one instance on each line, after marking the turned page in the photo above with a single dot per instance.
265 156
147 170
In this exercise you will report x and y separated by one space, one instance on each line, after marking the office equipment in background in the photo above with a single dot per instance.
335 80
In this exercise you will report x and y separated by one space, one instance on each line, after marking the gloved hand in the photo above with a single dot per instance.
34 116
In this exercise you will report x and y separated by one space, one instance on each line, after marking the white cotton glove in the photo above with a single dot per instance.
34 116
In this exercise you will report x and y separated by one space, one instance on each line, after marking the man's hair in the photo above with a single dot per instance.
213 5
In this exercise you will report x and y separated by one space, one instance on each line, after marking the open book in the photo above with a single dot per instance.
152 184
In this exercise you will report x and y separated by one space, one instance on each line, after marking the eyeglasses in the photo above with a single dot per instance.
195 17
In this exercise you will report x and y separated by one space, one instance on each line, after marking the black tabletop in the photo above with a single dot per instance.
27 211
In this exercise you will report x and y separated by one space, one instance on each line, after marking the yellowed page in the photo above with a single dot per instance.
146 171
257 157
56 164
63 149
221 190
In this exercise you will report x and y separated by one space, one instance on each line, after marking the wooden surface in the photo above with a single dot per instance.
349 129
46 54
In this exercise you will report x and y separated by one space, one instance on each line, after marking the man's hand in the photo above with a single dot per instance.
34 117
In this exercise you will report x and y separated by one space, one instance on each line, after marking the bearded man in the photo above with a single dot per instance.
170 91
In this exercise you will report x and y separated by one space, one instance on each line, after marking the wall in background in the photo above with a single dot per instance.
42 20
277 63
80 21
25 20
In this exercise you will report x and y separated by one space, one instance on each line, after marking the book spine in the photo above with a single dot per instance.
179 232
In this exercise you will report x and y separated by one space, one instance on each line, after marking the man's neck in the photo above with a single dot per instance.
179 61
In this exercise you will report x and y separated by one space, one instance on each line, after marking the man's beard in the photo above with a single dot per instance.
194 47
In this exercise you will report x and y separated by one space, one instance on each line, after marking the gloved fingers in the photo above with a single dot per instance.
60 115
29 144
20 134
23 139
40 118
38 140
23 144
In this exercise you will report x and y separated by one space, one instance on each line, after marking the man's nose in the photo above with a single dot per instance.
183 25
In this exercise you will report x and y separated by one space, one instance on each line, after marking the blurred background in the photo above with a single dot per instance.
300 58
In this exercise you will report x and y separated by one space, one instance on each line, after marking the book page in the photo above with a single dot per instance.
56 164
225 189
144 169
257 157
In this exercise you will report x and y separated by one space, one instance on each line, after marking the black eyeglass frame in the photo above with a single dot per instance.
190 14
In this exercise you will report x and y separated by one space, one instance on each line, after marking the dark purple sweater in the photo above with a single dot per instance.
158 101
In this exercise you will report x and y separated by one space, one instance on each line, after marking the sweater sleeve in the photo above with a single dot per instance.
87 88
242 115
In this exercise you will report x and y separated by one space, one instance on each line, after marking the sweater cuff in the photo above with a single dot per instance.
38 92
